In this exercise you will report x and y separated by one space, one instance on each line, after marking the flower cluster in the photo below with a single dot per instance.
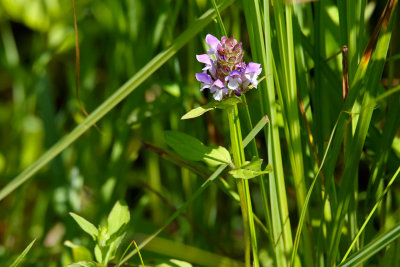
228 73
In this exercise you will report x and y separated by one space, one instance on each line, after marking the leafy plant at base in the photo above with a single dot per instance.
108 237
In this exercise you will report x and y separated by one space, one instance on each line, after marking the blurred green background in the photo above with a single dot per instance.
38 106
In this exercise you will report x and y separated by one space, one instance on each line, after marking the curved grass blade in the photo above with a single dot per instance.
22 255
371 213
372 248
307 200
113 100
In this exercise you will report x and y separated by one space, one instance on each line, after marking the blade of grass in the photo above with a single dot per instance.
305 207
113 100
372 248
22 255
370 214
220 23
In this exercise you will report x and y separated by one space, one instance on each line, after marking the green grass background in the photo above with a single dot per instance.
137 66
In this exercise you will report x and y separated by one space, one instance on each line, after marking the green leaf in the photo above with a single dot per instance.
98 254
218 155
112 249
251 169
85 225
192 149
83 264
118 217
199 111
79 253
223 104
22 255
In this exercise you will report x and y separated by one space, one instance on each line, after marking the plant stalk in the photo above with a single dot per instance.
243 185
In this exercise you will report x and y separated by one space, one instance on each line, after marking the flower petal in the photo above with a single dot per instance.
204 77
204 86
204 58
219 84
218 95
233 84
235 73
212 41
253 68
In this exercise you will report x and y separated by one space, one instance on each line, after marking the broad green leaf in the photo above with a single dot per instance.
22 255
251 169
192 149
118 217
83 264
86 226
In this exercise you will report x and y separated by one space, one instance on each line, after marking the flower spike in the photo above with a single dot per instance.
230 76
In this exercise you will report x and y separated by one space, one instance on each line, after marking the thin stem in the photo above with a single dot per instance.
243 184
140 256
221 24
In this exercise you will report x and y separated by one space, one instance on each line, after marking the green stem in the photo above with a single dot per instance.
243 184
261 179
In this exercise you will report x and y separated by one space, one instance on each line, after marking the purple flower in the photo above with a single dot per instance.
230 76
251 73
210 65
205 79
234 80
214 43
218 89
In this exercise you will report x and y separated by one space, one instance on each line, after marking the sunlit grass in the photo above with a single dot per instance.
331 198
